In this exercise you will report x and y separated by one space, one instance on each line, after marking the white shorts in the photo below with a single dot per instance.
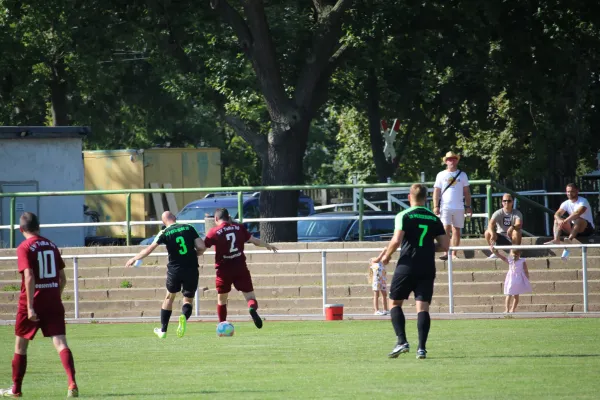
456 218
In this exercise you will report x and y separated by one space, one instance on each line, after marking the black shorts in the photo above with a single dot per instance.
184 280
588 231
403 284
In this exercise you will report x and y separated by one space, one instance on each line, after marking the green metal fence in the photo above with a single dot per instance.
240 190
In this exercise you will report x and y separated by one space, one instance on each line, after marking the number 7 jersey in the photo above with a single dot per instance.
228 239
417 254
43 258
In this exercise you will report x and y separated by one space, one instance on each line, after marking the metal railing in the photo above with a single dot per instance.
324 253
583 248
239 190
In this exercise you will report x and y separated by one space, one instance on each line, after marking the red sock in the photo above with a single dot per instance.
222 312
66 357
253 304
19 365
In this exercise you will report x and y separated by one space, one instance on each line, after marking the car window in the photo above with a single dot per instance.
252 210
305 207
381 226
197 213
323 228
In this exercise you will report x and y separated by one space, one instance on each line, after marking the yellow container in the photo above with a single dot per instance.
137 169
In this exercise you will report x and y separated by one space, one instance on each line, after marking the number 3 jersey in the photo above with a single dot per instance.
179 239
228 239
417 254
43 258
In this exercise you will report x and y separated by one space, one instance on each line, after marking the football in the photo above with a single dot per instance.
225 329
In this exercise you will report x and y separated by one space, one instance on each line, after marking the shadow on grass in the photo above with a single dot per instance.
187 393
526 356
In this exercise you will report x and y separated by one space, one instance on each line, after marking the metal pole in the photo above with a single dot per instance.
547 216
128 218
76 286
422 177
361 213
450 288
488 193
240 207
197 303
585 278
324 278
11 232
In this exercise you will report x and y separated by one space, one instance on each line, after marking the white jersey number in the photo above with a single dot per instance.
46 264
231 238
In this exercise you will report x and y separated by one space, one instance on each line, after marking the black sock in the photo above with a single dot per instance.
399 323
186 309
423 324
165 315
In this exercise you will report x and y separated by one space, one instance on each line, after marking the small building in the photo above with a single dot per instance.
147 168
43 159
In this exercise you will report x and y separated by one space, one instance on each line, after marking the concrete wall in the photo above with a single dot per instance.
56 165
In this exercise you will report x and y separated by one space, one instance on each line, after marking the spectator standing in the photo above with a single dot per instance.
451 198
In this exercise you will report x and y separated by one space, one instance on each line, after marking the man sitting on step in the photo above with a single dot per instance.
505 225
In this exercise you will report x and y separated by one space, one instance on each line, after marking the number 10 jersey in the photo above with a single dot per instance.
43 258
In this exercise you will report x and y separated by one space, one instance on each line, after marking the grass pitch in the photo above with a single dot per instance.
467 359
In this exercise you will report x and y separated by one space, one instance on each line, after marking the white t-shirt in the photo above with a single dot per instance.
453 197
571 206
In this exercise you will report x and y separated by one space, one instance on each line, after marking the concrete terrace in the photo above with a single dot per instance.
290 284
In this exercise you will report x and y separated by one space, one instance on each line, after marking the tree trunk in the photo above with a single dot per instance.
58 94
283 167
382 167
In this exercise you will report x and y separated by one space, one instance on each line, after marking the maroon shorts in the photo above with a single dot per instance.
51 323
239 276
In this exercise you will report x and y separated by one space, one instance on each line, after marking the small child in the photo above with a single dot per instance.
378 280
517 278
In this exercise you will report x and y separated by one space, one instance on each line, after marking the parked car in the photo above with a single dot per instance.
346 230
198 209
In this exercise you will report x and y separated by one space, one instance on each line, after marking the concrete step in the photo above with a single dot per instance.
208 311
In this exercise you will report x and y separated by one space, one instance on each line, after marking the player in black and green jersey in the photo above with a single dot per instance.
416 231
184 245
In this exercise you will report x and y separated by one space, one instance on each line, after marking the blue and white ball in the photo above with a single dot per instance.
225 329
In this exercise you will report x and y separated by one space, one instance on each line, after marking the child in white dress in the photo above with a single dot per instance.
378 280
517 278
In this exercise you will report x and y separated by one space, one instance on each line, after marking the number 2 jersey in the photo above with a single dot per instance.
179 239
417 254
229 239
43 258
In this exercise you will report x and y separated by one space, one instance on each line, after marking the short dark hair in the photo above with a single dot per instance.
419 191
222 214
573 186
29 222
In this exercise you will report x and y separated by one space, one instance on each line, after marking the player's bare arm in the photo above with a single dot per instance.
392 246
142 254
62 280
261 243
442 243
30 290
200 246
